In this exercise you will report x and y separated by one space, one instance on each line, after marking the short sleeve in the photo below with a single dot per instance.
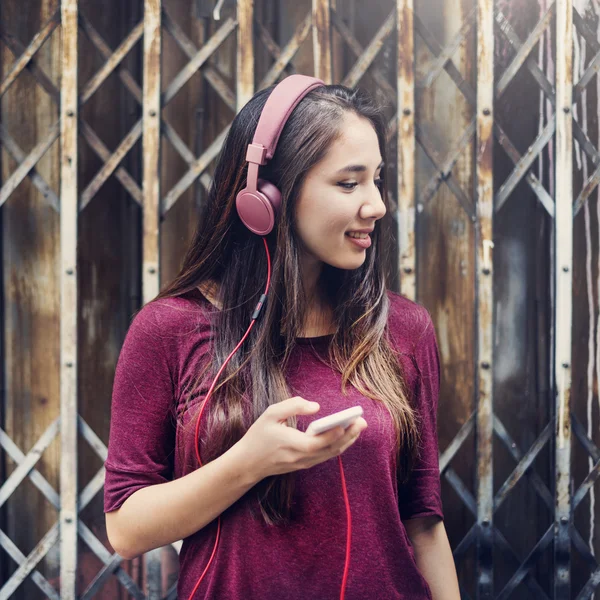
142 431
421 495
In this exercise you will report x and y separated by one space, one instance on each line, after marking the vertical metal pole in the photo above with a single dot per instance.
151 203
321 25
406 149
563 223
337 47
485 301
68 300
151 149
245 52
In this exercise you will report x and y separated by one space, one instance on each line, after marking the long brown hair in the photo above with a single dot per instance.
223 250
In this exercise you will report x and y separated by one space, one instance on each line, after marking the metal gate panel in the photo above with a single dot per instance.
323 41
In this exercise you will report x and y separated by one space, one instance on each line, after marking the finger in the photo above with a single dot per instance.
347 444
281 411
360 423
352 431
357 426
314 443
351 435
338 437
328 437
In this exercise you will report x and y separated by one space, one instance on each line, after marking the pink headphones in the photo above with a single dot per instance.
257 205
259 202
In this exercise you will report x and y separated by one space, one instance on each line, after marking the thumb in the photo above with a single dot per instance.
294 406
308 407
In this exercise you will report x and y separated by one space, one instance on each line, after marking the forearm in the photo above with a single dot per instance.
434 559
158 515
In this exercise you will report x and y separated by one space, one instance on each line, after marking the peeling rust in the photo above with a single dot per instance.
322 40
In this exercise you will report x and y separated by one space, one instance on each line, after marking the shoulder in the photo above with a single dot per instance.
168 319
413 337
410 324
162 336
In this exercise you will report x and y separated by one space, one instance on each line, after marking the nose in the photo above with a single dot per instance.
373 207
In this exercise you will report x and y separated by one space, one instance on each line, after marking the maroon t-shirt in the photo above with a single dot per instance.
167 342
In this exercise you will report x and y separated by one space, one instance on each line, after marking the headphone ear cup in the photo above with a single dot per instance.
271 192
258 210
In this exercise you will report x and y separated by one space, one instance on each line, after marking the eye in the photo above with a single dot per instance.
351 185
347 186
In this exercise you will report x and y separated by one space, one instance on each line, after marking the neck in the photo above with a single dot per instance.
319 315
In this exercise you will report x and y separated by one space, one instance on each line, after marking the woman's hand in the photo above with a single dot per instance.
273 448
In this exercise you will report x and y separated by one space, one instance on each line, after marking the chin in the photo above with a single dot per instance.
349 264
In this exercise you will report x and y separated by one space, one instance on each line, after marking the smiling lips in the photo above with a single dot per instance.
362 242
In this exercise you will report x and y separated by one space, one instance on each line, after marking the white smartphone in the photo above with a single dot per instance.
345 418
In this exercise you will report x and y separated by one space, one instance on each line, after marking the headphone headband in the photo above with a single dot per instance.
258 203
279 106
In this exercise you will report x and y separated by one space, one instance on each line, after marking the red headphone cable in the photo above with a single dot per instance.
196 445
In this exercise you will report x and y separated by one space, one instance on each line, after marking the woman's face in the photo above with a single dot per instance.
341 194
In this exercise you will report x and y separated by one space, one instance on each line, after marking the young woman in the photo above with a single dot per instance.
330 333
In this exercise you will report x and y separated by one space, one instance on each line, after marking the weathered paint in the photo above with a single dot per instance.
151 117
357 50
285 56
321 26
563 224
245 52
199 166
200 58
523 50
69 309
151 149
485 295
370 53
30 305
445 127
32 158
445 162
113 61
190 49
35 44
11 146
89 134
405 119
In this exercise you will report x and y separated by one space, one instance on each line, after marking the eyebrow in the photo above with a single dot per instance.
356 168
